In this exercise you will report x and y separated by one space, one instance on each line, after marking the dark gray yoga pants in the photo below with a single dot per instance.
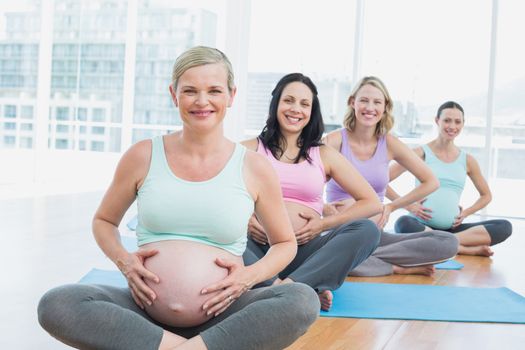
324 262
498 230
104 317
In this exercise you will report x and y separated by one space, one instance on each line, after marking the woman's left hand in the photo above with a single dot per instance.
459 218
385 215
238 281
312 228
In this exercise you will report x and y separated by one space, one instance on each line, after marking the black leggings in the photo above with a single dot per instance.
499 230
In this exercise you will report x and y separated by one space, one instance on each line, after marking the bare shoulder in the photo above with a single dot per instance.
135 161
334 139
327 152
396 148
257 164
251 144
258 173
472 164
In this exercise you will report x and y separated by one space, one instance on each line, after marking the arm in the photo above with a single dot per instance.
485 196
255 229
117 199
417 207
412 162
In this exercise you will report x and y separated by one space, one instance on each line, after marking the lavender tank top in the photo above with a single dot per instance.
374 170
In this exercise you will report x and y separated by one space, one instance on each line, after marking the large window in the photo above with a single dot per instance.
19 43
87 73
508 132
98 81
300 36
164 30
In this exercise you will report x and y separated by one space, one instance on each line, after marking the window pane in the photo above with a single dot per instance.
508 133
300 36
19 38
89 43
426 54
164 30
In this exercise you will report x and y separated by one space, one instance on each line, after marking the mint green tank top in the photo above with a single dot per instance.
213 212
444 202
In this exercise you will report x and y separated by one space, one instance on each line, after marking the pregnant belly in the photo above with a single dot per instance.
445 207
184 269
294 209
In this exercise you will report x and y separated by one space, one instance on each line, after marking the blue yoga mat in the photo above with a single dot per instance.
109 277
427 302
449 265
130 243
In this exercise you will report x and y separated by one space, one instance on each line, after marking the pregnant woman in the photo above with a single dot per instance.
441 209
328 247
366 142
188 287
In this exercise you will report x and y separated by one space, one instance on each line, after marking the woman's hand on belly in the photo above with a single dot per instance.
419 210
256 230
133 269
313 227
238 281
458 220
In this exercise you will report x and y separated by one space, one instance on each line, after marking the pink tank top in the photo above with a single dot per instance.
303 182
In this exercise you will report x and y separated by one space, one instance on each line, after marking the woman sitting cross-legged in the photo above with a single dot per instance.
366 142
328 247
441 209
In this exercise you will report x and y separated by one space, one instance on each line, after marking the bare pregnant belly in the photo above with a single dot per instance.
294 209
184 269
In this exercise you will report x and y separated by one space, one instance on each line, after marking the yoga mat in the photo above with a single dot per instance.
132 224
130 243
427 302
108 277
449 265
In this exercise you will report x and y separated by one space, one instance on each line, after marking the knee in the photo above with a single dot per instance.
449 243
304 306
405 224
501 233
51 307
367 231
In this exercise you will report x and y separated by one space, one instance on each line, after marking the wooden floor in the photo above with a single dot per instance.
47 242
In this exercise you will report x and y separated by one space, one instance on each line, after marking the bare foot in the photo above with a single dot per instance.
425 270
326 297
482 250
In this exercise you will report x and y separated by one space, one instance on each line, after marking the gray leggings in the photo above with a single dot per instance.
105 317
415 249
499 230
324 262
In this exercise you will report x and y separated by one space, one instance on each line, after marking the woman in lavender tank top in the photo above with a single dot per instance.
365 141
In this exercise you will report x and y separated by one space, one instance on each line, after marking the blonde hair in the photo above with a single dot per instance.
200 56
387 121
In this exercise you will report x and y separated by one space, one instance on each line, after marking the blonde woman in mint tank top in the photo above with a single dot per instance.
188 286
366 142
442 208
328 248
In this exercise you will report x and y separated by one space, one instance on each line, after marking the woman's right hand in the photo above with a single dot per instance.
132 267
333 208
256 231
422 212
